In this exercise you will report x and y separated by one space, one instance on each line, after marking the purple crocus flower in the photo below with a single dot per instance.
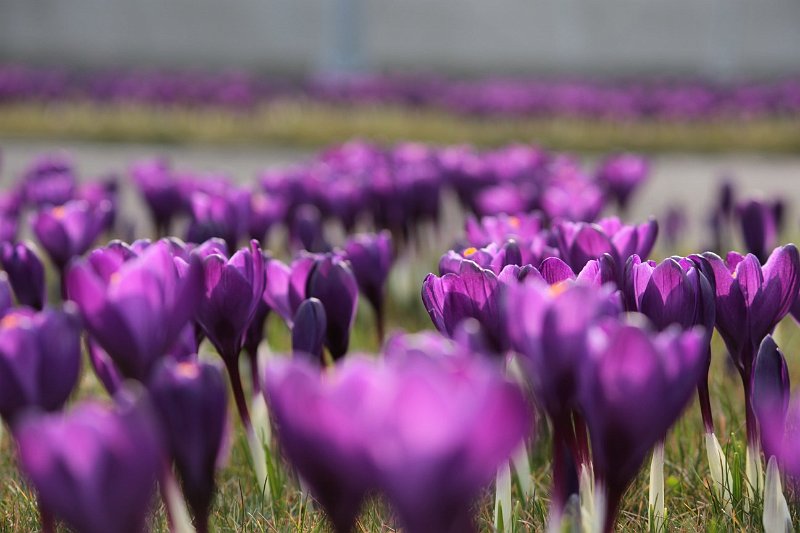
286 285
332 281
771 390
306 230
50 180
68 230
621 174
221 215
40 359
674 292
322 428
136 312
750 301
674 226
548 325
635 386
265 212
500 228
190 400
371 257
309 327
471 292
580 242
159 188
442 411
759 227
25 273
77 463
493 257
233 288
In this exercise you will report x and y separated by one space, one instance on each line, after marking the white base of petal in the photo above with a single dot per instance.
776 517
721 478
502 499
178 512
657 509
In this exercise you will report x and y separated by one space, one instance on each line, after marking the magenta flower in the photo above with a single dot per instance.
76 462
371 257
68 230
309 327
40 360
157 185
50 180
759 226
770 395
621 174
635 386
332 281
135 309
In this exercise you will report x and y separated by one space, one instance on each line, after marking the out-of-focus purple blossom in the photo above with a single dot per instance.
674 224
371 257
493 257
265 212
25 273
190 401
76 462
621 174
759 227
136 312
40 360
222 215
68 230
6 299
157 185
306 230
286 285
50 180
636 384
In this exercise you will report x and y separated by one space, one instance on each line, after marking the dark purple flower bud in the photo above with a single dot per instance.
190 400
233 289
50 180
674 226
77 463
332 281
472 292
306 230
25 273
727 197
136 313
309 328
40 359
68 230
770 393
158 187
759 227
620 175
371 258
104 367
635 386
98 193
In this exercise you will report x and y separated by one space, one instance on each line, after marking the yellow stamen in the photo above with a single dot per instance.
513 222
470 251
187 370
558 288
59 212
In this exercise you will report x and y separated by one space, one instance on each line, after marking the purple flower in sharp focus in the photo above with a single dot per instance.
309 328
750 301
332 281
635 386
77 463
471 292
40 359
159 188
770 394
136 312
68 230
580 242
232 291
25 273
759 227
621 174
371 257
50 180
190 400
493 257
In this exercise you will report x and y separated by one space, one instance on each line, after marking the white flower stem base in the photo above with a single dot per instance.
658 511
721 479
502 500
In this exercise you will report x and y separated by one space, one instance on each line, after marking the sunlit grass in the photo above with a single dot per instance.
314 124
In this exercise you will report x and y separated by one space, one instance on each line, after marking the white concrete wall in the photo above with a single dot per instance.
715 37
